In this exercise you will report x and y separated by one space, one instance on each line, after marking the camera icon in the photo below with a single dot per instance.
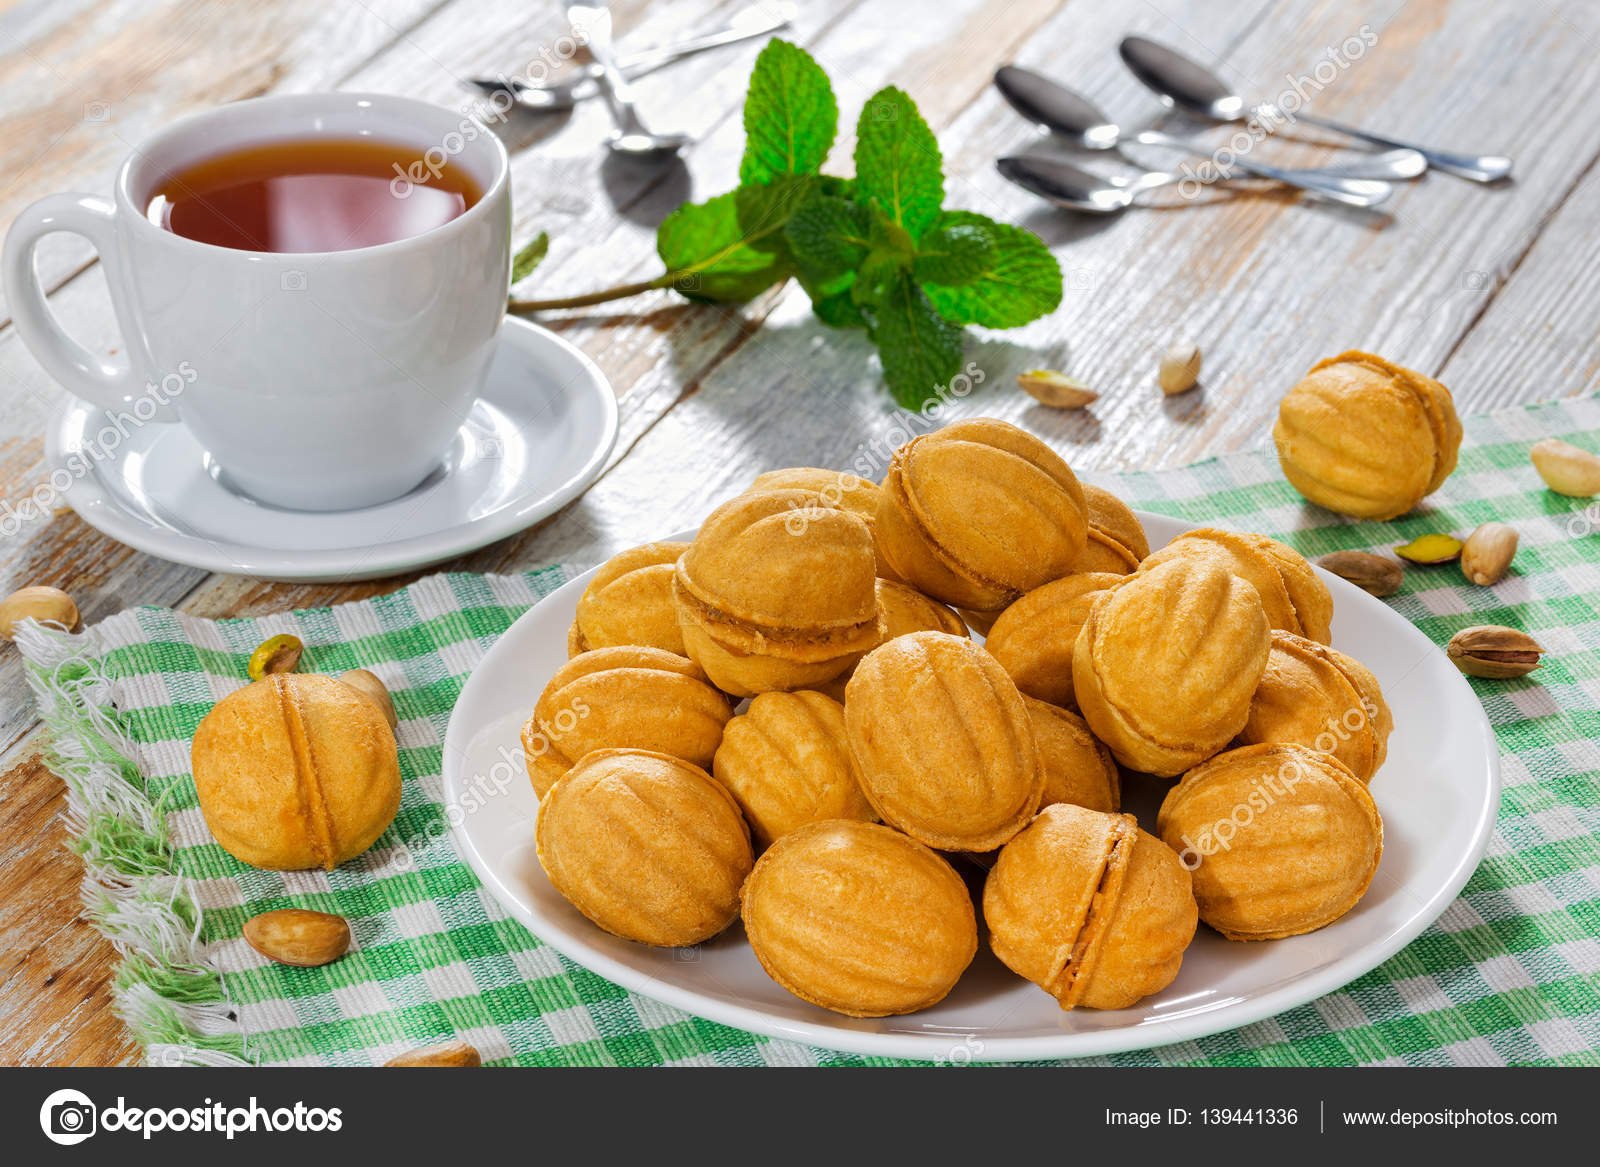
292 281
68 1117
884 111
1080 279
689 955
1475 281
490 449
97 111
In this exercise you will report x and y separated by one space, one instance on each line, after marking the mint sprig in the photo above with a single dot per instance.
876 252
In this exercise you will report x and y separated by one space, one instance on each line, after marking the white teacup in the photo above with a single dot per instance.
323 381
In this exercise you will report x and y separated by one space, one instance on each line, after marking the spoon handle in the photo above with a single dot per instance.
614 88
1477 167
1355 192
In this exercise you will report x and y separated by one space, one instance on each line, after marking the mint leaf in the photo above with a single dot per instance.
898 168
790 115
877 276
920 350
838 311
830 236
725 251
764 210
523 263
954 254
1022 282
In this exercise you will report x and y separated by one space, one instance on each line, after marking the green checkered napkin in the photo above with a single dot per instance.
1509 974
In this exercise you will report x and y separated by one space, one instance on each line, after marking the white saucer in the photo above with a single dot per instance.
538 435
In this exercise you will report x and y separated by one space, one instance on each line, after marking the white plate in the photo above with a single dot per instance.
538 435
1438 792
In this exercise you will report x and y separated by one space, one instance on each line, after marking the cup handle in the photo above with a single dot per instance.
112 386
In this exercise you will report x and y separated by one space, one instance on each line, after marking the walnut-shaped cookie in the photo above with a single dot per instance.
1280 839
649 847
777 591
1166 665
1117 541
1292 594
1077 768
860 919
979 512
296 771
838 488
1033 639
903 610
787 763
623 696
629 601
1091 909
943 742
1365 437
1313 695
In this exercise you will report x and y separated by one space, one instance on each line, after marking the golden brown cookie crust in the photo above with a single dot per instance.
296 771
647 846
859 919
943 742
1280 839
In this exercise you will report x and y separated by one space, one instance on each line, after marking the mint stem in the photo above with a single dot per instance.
620 292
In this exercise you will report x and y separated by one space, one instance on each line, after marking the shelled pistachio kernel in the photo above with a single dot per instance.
46 605
1430 550
276 654
1180 369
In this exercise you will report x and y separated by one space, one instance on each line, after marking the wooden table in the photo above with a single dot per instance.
1495 292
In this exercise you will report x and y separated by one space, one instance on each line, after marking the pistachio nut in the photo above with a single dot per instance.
1057 390
1487 554
46 605
449 1054
1567 469
1430 550
1494 651
276 654
1180 369
1374 574
298 937
368 685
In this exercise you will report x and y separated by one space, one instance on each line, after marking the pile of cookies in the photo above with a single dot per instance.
883 753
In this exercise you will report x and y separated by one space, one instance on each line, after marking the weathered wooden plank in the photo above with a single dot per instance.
55 1005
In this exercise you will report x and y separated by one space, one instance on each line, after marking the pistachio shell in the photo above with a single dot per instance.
1303 855
1367 438
943 742
649 847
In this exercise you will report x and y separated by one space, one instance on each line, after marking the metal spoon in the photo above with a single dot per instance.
1193 88
1065 113
746 24
631 136
1075 119
1067 185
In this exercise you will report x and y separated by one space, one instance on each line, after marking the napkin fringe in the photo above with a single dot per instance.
165 990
